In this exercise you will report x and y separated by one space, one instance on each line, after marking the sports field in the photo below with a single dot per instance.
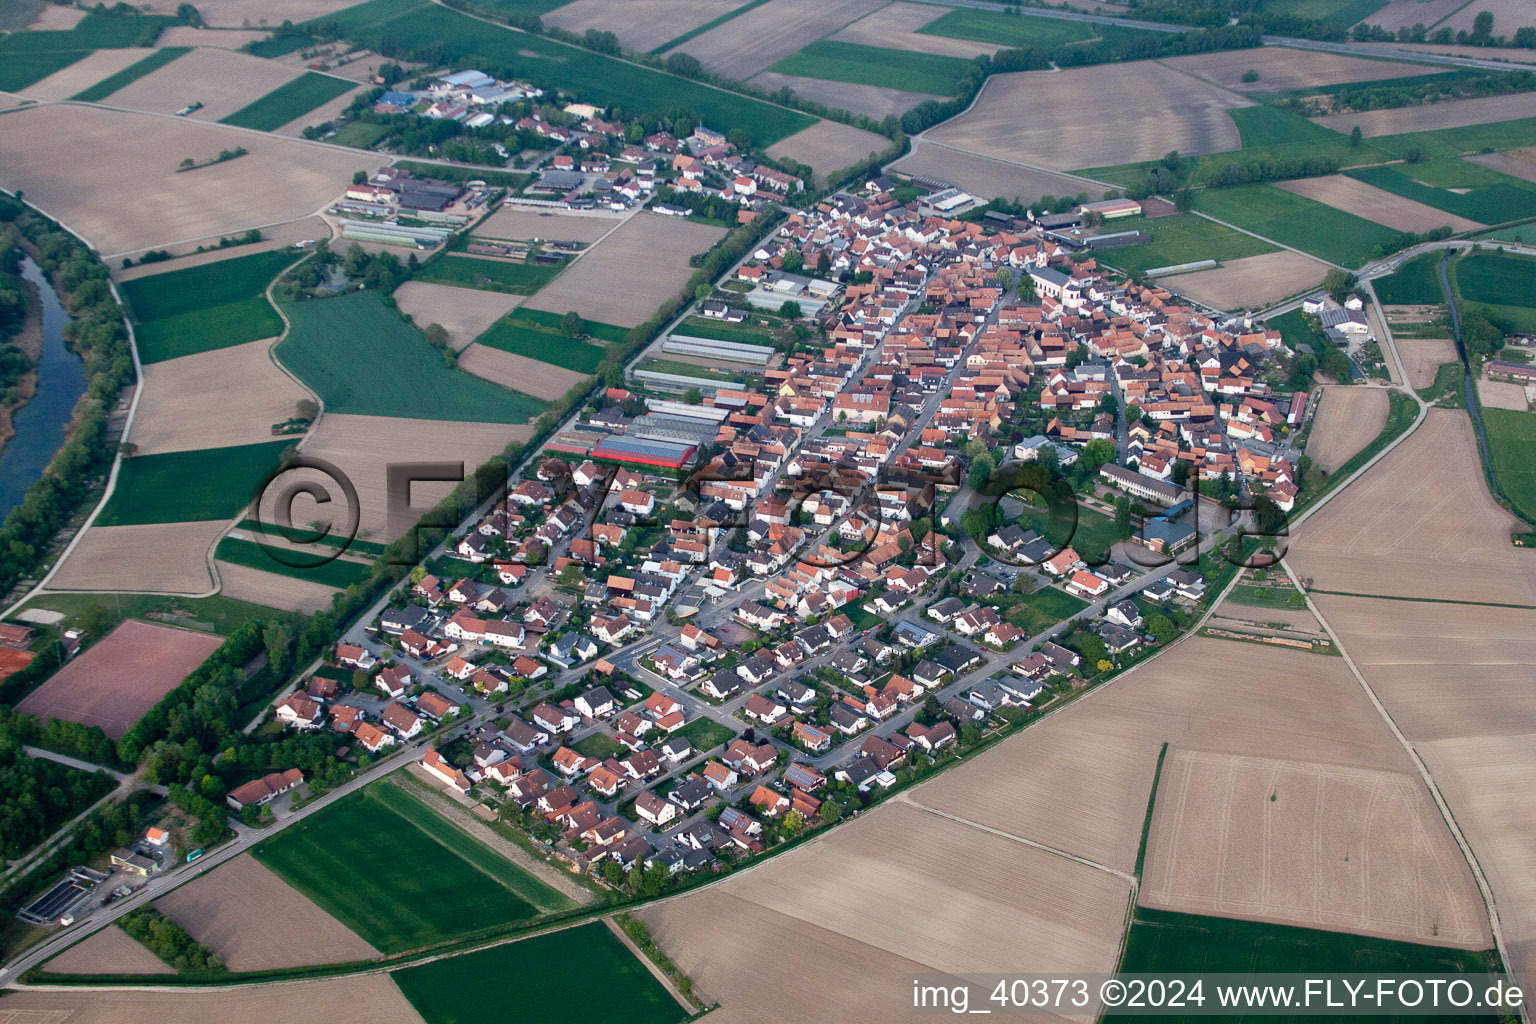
211 306
1480 194
1512 444
339 572
1182 238
490 274
582 975
1017 31
873 65
289 102
385 865
184 487
547 346
1296 221
361 357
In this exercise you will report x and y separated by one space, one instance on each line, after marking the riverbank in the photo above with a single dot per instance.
30 341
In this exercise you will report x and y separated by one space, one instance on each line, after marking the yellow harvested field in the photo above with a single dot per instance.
272 589
633 271
254 921
530 376
1121 113
1375 204
1251 282
213 399
1432 116
1518 163
855 914
255 13
1420 524
221 81
56 18
307 229
524 224
765 35
464 312
1281 69
1079 781
1500 394
278 180
1349 418
870 100
364 446
1423 356
110 951
161 558
365 999
986 177
1408 13
829 146
1308 844
645 24
224 39
84 73
1508 15
895 28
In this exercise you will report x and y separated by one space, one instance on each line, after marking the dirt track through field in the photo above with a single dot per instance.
1432 116
466 313
530 376
1375 204
162 558
829 146
212 399
1251 282
765 35
1348 419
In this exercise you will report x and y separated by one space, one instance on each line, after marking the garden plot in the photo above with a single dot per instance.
1122 113
1420 524
524 224
464 312
223 82
895 28
288 593
84 73
1251 282
366 999
1316 845
277 181
1432 116
644 24
253 921
121 676
870 100
109 951
1281 70
766 35
1348 419
530 376
988 178
829 146
228 396
160 558
1422 357
630 273
1374 204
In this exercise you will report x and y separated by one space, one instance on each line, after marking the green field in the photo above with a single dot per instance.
546 346
1512 446
189 487
595 329
1491 198
1342 13
132 73
582 975
1266 127
692 33
201 308
1415 283
1499 135
1497 278
289 101
338 572
401 876
1048 606
361 357
748 332
489 274
1294 329
20 70
94 32
1010 30
874 65
1293 220
457 39
1181 238
1164 942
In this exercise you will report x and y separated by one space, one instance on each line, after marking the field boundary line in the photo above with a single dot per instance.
446 848
650 965
1271 241
1422 600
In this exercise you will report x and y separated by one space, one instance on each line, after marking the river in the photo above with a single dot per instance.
40 424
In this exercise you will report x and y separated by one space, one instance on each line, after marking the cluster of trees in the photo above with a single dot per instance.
38 795
1480 336
57 734
1480 35
1399 240
109 827
207 806
1383 97
170 942
382 272
14 363
1250 168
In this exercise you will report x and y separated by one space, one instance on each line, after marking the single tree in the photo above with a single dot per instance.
572 325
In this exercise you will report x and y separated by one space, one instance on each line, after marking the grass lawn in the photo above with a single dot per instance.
190 487
289 101
489 275
459 40
93 32
748 332
1265 127
1266 597
206 307
1295 330
1048 606
582 975
599 745
874 65
335 342
544 345
1497 278
1163 941
595 329
1182 238
1009 30
359 134
20 70
1489 202
394 871
706 734
132 73
1296 221
1091 536
1512 446
1415 283
338 572
682 369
